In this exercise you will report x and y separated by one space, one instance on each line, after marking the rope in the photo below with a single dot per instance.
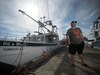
17 69
21 69
44 54
39 64
21 51
16 58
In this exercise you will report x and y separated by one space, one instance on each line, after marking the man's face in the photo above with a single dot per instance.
73 24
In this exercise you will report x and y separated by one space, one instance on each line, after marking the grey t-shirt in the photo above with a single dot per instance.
74 35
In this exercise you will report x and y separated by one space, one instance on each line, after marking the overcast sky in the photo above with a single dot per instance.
61 12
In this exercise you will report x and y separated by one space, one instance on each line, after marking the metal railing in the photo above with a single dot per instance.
10 36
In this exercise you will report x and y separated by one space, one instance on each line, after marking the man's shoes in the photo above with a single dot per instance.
72 65
85 65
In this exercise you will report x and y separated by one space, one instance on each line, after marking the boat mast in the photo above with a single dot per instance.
39 22
95 26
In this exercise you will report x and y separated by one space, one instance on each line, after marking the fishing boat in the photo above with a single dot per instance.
95 31
30 46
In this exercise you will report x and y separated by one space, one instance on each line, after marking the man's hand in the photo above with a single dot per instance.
68 40
69 43
82 37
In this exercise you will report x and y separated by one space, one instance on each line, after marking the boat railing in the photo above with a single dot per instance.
10 36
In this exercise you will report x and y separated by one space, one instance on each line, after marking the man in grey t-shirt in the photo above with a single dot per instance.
75 35
76 42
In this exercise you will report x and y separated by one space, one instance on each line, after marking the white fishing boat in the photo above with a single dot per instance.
96 33
30 46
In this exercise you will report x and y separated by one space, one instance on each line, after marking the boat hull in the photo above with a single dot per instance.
11 54
96 43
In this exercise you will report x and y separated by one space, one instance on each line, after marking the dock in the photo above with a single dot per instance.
59 63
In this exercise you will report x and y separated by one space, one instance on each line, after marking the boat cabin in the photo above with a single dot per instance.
42 38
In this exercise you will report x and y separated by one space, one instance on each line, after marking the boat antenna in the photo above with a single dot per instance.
39 9
26 27
48 9
98 17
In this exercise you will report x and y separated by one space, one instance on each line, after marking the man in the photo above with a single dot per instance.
76 42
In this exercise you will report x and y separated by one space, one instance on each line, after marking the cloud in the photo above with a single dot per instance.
86 32
13 20
93 13
61 12
86 23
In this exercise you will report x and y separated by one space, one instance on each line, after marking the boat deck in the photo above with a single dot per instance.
59 63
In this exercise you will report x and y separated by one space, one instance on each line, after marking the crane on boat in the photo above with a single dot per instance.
40 23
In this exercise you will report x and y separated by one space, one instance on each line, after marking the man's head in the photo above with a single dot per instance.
73 23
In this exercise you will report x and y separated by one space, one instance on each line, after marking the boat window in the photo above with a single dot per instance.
98 38
29 38
34 38
96 34
42 38
54 38
50 38
99 25
38 39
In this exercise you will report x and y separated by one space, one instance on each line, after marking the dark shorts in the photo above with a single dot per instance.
76 47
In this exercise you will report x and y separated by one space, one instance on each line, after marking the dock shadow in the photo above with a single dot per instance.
91 68
67 70
44 61
64 66
92 57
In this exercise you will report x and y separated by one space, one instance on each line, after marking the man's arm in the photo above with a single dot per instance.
82 37
68 39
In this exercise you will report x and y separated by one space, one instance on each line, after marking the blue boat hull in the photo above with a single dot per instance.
96 43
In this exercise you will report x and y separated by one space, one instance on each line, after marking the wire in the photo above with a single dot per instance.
21 51
48 9
38 9
16 58
25 25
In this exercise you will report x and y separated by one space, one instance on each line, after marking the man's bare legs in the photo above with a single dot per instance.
81 56
72 57
82 59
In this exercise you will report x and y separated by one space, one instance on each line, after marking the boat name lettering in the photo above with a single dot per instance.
11 49
6 43
18 44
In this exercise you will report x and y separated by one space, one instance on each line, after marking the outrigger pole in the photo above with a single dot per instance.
40 23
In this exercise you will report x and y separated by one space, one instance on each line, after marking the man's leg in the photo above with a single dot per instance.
72 57
80 52
82 59
72 51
